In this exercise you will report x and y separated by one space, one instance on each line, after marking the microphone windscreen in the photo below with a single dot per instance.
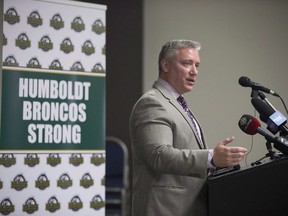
262 108
245 81
248 124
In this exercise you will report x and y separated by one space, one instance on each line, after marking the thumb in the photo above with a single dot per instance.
228 140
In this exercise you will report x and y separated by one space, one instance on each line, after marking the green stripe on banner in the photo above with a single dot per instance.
52 111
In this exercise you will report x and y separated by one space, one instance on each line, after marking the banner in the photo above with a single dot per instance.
52 150
52 111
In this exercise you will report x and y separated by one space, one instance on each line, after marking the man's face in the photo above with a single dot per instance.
181 72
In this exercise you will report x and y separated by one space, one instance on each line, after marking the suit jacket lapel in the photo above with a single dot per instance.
175 103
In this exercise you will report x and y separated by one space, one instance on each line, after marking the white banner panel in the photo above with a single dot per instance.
52 150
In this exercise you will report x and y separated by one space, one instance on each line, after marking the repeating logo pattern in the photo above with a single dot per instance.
62 37
31 177
74 41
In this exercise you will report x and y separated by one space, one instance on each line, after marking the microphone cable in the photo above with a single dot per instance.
251 145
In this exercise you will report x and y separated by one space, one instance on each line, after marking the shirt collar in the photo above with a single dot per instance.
170 88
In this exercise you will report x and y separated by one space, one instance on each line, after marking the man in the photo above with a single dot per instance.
170 157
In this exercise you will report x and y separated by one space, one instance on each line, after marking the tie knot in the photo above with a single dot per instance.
182 101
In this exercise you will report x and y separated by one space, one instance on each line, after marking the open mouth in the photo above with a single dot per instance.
192 81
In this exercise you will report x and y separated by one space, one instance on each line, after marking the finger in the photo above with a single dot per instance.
237 156
237 150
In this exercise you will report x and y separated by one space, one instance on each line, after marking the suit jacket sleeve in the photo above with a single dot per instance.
163 139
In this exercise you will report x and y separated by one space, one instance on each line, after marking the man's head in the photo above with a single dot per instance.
178 64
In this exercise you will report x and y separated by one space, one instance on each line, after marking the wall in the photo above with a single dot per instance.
239 38
124 63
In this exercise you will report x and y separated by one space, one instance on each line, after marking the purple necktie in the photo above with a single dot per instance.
183 103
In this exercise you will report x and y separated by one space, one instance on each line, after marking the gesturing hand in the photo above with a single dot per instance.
225 156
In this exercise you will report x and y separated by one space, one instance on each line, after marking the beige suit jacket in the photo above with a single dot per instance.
169 169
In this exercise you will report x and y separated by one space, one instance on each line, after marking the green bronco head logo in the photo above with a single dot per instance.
6 207
30 206
56 22
11 16
34 19
52 205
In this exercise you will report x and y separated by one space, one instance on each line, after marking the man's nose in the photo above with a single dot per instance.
193 70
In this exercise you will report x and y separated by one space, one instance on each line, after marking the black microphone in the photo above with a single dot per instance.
250 125
246 82
274 119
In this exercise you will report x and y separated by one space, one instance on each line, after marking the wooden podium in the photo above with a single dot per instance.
260 190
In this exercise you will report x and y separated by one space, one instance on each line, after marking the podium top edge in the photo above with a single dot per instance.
245 170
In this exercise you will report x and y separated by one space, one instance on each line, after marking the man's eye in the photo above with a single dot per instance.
186 63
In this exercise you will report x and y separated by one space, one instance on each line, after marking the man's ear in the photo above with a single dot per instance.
165 65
